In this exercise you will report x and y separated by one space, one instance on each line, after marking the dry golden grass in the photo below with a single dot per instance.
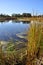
34 37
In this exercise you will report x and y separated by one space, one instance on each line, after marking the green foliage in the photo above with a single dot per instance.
26 14
22 15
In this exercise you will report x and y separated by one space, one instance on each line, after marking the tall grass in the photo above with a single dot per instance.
34 37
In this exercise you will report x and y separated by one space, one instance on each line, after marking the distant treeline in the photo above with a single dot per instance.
15 16
22 15
5 17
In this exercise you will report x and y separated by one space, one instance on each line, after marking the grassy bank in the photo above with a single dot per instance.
28 19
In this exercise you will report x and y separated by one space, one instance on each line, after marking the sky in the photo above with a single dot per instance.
21 6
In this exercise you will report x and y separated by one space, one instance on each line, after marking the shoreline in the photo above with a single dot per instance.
28 19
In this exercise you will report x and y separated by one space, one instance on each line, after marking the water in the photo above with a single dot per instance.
9 29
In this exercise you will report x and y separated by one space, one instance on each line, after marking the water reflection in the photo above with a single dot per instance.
9 29
24 22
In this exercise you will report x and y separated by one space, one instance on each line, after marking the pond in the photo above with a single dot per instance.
9 29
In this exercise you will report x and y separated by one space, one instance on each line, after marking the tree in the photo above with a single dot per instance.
26 15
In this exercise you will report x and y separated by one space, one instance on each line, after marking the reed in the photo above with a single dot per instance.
34 41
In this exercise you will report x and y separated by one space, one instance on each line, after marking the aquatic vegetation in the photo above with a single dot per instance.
12 53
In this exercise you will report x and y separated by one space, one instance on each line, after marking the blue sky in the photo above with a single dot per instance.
21 6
